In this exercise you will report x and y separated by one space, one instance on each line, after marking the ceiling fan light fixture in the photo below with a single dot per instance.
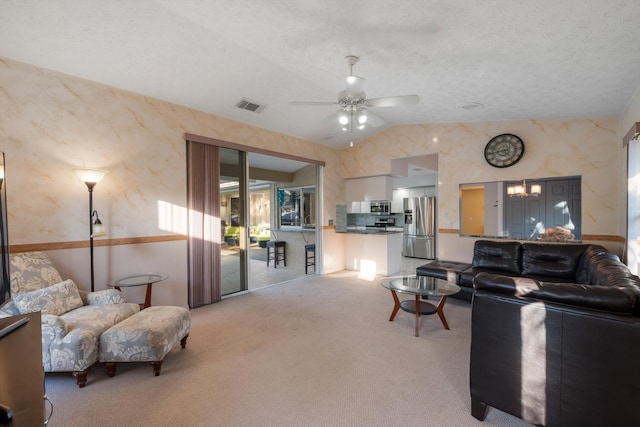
352 103
352 80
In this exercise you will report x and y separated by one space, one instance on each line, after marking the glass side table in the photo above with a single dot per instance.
140 280
420 286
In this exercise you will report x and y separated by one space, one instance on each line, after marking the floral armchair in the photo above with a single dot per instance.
72 320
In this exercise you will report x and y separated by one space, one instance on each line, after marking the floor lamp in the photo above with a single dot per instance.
91 177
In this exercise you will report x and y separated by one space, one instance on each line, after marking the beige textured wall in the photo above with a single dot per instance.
52 123
590 148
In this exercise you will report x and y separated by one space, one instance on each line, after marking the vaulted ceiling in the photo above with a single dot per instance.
466 60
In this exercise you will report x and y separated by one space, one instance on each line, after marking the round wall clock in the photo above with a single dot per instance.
504 150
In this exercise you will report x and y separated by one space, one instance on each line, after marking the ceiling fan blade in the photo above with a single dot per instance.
373 120
313 103
392 101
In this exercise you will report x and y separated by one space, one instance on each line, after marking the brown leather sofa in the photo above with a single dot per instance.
557 344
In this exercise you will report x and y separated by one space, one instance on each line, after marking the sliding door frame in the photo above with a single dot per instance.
244 197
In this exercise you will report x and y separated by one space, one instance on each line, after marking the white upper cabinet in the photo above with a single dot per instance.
371 188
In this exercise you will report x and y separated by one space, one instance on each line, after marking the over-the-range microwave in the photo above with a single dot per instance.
381 208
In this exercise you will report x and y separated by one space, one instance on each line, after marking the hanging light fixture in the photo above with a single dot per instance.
98 228
361 117
351 117
520 190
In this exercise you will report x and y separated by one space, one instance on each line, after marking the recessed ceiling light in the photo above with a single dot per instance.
472 106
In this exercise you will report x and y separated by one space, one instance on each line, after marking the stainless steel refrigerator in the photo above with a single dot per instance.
419 240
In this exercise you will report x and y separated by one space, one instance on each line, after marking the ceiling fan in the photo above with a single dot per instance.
353 101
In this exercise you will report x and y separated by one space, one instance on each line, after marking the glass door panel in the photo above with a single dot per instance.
233 223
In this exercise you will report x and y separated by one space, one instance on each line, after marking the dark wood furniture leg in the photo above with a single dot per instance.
147 298
440 311
157 365
81 377
111 368
417 314
396 307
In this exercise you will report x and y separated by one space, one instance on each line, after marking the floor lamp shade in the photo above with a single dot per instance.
90 175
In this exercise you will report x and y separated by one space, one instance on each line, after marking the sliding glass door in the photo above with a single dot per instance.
235 209
233 250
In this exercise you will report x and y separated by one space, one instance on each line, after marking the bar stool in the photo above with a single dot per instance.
309 257
276 252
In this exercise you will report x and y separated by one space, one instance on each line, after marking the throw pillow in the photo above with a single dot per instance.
56 299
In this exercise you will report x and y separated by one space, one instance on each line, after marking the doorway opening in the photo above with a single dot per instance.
277 203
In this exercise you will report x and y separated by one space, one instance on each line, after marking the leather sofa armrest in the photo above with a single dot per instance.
612 299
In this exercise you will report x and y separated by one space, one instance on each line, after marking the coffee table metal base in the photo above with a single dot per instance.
419 307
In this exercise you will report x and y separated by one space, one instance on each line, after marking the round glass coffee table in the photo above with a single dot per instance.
420 286
140 280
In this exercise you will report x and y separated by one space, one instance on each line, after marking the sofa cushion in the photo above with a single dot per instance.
57 299
31 271
499 256
554 260
105 296
603 268
9 309
586 261
465 278
445 270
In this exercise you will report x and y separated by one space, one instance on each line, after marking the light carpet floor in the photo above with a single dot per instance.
317 351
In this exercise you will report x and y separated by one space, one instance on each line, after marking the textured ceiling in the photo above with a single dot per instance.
520 59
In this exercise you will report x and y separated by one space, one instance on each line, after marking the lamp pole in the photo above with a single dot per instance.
90 177
90 186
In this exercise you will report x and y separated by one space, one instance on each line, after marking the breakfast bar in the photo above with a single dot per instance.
378 252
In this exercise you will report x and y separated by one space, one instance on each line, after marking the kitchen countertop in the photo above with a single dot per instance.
369 231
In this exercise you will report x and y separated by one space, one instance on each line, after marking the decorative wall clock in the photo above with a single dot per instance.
504 150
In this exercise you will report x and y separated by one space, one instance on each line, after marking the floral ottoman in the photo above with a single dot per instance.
146 336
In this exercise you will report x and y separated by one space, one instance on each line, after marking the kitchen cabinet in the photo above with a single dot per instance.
358 207
400 194
353 207
397 203
370 188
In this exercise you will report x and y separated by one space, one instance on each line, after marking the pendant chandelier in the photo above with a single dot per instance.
520 190
351 117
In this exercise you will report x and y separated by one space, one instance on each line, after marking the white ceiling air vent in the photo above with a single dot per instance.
253 106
